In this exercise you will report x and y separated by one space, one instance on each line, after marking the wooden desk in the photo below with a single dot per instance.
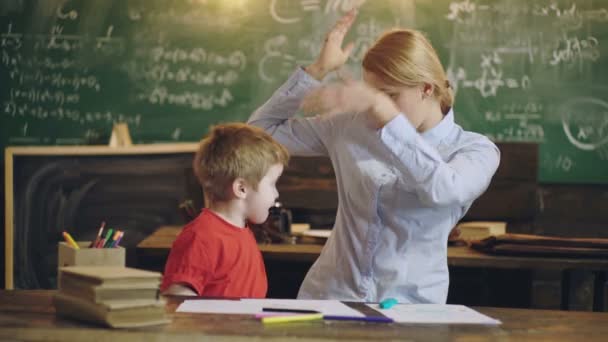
158 244
29 315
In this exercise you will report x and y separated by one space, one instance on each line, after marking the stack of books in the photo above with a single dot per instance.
479 230
115 296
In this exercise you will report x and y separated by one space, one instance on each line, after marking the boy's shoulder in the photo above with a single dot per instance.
204 228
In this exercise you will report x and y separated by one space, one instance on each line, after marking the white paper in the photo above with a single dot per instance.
218 306
435 314
254 306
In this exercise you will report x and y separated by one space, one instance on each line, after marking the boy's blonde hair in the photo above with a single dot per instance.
404 57
235 150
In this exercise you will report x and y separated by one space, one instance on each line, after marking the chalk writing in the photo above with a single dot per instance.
331 6
585 122
66 14
197 55
564 163
574 49
39 112
163 72
42 95
195 100
489 82
56 79
276 58
197 13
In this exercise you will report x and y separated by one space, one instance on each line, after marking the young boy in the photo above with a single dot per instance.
216 254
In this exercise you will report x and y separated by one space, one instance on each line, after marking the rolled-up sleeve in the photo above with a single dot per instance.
459 180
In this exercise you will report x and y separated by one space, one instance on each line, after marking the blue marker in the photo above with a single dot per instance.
388 303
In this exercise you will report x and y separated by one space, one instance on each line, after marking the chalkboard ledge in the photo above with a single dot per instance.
100 150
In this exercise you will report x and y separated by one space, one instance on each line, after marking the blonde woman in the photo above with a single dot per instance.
406 172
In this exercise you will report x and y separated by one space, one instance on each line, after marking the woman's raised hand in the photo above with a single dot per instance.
332 55
350 97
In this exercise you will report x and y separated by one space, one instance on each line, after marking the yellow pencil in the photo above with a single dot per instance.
292 318
69 240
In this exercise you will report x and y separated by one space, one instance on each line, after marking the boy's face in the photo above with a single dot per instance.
260 200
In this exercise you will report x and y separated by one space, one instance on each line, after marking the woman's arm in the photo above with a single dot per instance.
301 136
305 136
460 180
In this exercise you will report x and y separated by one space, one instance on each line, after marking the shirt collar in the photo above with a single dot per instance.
437 133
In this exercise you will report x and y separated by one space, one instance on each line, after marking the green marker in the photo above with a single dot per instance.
108 237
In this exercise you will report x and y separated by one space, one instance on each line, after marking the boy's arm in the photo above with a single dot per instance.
188 266
179 290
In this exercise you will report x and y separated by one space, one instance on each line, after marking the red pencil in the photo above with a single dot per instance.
94 243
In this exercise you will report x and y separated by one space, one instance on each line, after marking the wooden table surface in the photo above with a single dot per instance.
28 315
159 244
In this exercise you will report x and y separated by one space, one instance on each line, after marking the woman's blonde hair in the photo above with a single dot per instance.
232 151
404 57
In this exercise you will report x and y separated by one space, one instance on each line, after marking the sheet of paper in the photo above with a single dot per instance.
218 306
255 306
435 314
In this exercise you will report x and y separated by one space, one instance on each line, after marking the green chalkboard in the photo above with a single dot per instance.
530 71
523 71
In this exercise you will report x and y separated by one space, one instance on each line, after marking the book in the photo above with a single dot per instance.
115 314
313 236
319 233
110 276
478 230
548 246
98 293
115 296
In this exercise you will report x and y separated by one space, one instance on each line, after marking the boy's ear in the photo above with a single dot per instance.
239 188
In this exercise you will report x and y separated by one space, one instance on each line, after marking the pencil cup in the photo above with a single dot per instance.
69 256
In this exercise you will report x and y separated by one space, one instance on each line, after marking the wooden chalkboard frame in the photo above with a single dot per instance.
99 150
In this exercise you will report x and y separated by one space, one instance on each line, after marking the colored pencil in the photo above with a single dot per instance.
68 238
94 243
292 318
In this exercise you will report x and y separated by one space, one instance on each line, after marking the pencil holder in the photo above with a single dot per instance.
85 256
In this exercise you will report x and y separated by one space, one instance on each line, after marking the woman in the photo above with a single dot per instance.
406 173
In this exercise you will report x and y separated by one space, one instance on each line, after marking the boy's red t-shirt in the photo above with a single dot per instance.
216 259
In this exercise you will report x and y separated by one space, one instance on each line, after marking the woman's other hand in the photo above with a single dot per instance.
350 97
332 55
